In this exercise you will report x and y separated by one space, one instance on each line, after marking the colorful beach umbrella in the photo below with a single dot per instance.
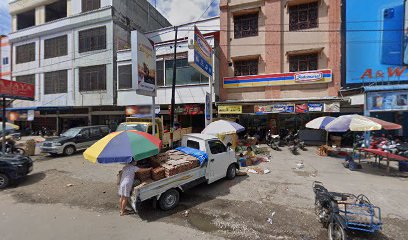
319 123
123 147
9 126
359 123
223 127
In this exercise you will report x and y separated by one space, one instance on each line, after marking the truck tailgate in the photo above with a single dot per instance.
156 188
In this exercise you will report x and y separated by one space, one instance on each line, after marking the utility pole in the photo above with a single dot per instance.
173 90
3 134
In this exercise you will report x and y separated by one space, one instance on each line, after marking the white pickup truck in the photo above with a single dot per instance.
221 163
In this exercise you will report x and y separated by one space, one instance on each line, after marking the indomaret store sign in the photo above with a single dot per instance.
16 90
279 79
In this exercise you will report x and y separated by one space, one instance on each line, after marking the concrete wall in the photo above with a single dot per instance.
71 62
5 53
273 44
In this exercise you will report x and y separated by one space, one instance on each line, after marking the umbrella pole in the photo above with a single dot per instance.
327 138
3 133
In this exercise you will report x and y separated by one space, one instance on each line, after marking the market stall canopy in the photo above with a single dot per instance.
123 147
319 123
386 125
359 123
223 127
9 126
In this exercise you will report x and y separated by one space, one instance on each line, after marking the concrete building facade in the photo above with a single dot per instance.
286 52
5 72
68 49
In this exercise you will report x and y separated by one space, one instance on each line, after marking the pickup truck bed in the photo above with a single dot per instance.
181 181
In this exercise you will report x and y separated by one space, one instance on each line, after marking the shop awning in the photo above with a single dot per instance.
17 109
386 88
249 102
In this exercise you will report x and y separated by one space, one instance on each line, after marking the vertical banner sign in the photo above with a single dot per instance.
207 106
200 53
143 65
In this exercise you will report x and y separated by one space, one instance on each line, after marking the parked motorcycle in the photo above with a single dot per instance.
343 213
298 142
273 141
10 147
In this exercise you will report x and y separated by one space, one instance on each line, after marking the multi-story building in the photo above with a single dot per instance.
4 58
68 49
191 85
280 60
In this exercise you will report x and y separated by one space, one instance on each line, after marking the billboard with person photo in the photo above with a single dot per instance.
376 41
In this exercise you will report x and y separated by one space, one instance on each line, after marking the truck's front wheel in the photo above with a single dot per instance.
231 172
169 199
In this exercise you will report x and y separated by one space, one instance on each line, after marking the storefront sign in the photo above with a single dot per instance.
20 115
315 107
279 79
188 109
308 76
143 65
200 53
387 101
16 90
302 108
275 108
332 107
384 59
230 109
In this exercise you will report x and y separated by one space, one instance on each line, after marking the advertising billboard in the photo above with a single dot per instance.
279 79
387 101
143 65
16 90
200 53
376 41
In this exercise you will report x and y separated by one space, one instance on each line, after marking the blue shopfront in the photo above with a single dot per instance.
389 103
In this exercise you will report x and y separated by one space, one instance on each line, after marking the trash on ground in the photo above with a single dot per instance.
241 174
270 219
70 185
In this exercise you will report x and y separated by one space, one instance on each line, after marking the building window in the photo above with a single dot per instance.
56 10
303 16
185 73
92 78
56 47
5 61
26 19
160 73
246 25
125 77
245 67
29 79
306 62
56 82
25 53
89 5
92 39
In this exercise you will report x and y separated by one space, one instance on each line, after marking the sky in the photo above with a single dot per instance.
176 11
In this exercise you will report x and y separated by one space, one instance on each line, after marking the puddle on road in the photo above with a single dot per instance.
202 222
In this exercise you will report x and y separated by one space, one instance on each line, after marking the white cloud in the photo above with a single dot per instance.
183 11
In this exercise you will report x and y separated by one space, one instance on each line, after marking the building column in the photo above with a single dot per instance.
39 15
224 48
273 41
334 61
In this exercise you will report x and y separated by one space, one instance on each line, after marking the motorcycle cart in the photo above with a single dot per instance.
343 213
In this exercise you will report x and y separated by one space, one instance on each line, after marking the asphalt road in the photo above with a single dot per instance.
70 197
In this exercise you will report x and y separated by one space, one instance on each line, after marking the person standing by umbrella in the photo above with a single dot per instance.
127 177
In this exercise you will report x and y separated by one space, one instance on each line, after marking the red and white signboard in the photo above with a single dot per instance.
16 90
